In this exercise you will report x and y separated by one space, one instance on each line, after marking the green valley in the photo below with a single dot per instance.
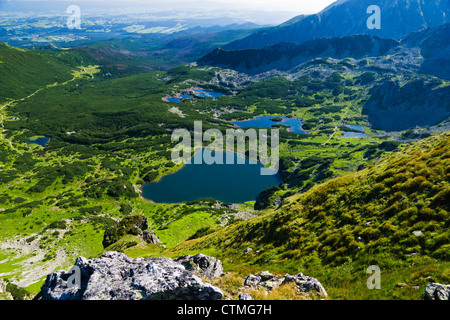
83 129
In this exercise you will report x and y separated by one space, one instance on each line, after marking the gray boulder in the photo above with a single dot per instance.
306 284
436 291
245 297
114 276
263 280
202 266
252 281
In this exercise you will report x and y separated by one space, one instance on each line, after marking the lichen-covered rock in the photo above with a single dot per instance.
114 276
202 266
436 291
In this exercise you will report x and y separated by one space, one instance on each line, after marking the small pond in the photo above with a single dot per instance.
42 141
294 124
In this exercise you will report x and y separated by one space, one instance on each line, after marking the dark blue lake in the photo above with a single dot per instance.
42 141
228 183
295 124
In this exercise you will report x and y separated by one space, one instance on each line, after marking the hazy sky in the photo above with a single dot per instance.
295 6
302 6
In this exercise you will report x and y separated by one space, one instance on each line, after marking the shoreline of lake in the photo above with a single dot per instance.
197 180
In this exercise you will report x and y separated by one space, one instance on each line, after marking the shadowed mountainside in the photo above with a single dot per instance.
398 19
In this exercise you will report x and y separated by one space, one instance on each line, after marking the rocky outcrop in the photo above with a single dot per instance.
149 236
269 281
436 291
114 276
4 294
135 225
202 266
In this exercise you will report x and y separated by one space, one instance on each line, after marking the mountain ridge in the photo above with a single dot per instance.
342 18
424 52
286 55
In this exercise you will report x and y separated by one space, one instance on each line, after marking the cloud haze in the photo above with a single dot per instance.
295 6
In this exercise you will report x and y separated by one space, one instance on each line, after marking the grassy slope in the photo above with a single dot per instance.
24 71
338 229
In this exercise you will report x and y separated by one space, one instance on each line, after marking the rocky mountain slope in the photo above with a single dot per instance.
434 47
285 56
398 19
115 276
425 51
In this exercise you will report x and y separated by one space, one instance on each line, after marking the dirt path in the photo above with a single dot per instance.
336 127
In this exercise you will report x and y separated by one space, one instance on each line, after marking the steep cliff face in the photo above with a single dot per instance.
398 19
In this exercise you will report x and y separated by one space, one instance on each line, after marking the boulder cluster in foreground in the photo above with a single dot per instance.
114 276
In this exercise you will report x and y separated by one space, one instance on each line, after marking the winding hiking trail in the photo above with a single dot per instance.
336 127
3 118
76 75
